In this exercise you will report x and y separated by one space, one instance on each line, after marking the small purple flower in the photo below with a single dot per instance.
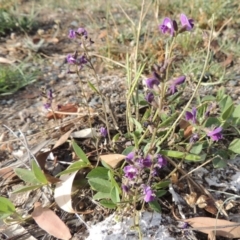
82 32
149 196
167 26
191 115
149 97
130 156
125 188
215 134
72 34
71 59
161 161
82 60
103 132
194 138
174 83
145 162
50 94
150 82
47 105
186 23
130 172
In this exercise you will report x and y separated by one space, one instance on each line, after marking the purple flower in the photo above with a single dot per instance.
145 162
103 132
174 83
149 97
82 32
71 59
130 172
125 188
149 196
215 134
50 94
167 26
191 115
47 105
130 156
194 138
150 82
161 161
186 23
82 60
72 34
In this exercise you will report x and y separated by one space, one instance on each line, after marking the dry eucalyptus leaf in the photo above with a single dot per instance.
50 222
62 139
85 133
215 227
63 191
112 159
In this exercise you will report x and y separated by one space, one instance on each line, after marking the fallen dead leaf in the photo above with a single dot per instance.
68 108
63 192
215 227
85 133
5 60
62 139
50 222
112 160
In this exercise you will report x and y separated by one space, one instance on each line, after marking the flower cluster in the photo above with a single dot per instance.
170 26
215 134
137 166
75 59
49 97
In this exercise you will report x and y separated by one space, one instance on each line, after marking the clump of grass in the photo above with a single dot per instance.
12 78
12 19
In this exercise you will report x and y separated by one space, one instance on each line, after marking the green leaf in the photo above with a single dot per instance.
161 193
196 148
127 150
28 188
100 185
93 87
236 112
219 162
115 195
212 121
98 172
176 154
108 204
116 137
155 206
168 121
101 195
222 155
6 206
220 94
38 173
106 165
228 112
235 146
137 124
80 152
162 184
208 98
26 175
225 103
74 167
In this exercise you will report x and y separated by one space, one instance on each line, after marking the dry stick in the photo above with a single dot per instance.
203 164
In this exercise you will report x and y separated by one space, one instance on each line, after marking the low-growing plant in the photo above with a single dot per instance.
11 20
14 77
165 124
